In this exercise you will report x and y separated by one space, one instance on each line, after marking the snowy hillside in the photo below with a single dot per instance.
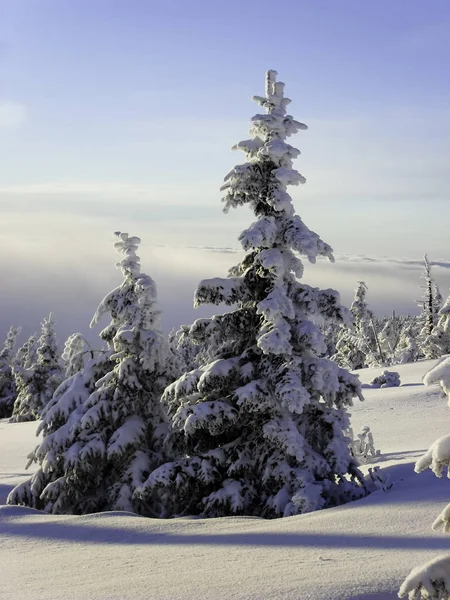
362 550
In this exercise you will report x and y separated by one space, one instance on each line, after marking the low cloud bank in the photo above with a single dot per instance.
70 279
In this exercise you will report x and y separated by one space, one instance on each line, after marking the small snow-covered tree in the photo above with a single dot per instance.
432 580
258 427
438 342
358 347
27 354
54 486
406 350
443 327
76 349
25 357
389 338
7 383
103 430
438 302
39 378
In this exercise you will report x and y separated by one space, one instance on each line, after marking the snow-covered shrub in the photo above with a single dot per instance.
7 383
103 429
362 445
258 427
386 379
38 378
379 479
432 580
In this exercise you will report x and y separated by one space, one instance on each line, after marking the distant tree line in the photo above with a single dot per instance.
397 339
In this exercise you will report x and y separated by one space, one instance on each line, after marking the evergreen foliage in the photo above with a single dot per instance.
430 304
7 382
357 347
258 427
38 376
407 350
438 342
389 338
102 432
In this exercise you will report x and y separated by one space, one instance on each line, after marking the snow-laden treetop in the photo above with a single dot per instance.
262 181
132 304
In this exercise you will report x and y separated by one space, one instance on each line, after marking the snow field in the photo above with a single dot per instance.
360 551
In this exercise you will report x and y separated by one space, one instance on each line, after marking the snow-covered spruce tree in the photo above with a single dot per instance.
258 430
61 427
38 380
432 580
102 431
7 383
358 347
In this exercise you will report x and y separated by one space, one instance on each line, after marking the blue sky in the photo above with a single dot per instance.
121 115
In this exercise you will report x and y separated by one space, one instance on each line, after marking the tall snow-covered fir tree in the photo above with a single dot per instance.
259 429
38 379
7 383
103 430
430 304
358 347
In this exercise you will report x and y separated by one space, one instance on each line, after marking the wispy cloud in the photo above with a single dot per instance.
90 187
12 114
404 262
347 258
